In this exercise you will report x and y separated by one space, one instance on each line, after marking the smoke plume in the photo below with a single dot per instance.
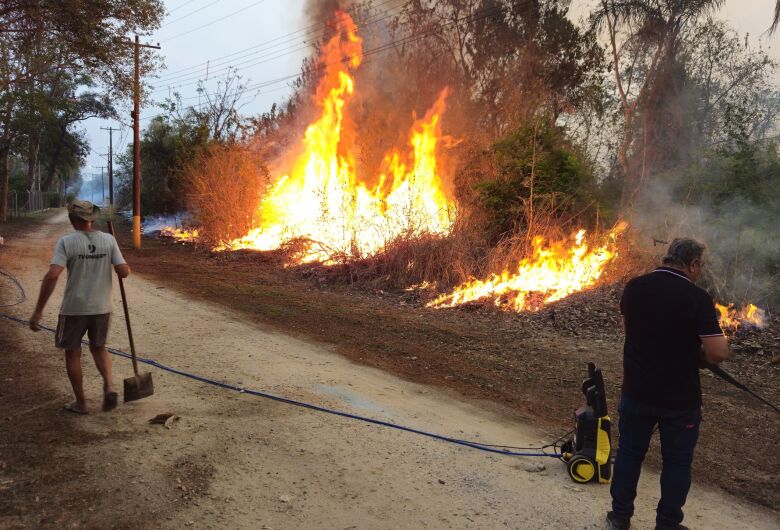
741 237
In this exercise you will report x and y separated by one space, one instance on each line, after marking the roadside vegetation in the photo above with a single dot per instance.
60 64
658 113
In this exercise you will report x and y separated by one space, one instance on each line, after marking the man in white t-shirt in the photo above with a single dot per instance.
89 255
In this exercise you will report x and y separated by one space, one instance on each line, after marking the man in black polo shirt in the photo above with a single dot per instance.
671 330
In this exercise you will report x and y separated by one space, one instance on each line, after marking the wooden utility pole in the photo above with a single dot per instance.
102 186
137 143
110 170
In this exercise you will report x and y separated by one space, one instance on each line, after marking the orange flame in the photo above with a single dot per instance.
553 272
321 198
181 234
732 320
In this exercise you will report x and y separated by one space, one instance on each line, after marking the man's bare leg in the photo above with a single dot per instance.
103 363
73 366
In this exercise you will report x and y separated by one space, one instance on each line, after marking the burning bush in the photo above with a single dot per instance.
399 225
226 183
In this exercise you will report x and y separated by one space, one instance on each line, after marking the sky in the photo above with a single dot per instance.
186 45
216 31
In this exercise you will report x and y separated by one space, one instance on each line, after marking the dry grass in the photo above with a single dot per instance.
226 185
467 253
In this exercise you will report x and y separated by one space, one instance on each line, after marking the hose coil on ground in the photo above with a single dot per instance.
22 294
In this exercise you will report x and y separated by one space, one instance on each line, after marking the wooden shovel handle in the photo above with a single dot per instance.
127 313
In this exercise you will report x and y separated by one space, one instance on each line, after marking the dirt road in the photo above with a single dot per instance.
234 460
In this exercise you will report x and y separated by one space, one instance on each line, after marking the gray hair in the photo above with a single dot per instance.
683 251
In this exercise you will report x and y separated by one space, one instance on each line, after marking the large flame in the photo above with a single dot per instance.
552 272
322 200
732 320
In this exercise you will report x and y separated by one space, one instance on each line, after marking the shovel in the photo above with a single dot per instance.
140 385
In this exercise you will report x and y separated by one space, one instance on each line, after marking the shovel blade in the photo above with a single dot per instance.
138 387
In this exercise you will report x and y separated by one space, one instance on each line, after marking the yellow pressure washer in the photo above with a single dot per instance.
588 454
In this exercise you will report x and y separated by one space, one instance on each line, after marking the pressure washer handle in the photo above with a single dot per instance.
127 312
723 374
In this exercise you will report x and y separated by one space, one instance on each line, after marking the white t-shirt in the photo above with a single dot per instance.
89 258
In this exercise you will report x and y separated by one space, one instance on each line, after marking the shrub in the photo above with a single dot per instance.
536 171
225 186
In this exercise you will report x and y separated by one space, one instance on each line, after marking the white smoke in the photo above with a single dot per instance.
743 248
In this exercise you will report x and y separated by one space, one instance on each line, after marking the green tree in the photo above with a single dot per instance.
728 80
539 176
43 43
506 61
645 41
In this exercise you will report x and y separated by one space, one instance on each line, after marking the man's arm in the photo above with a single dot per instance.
119 263
47 287
122 270
715 349
714 346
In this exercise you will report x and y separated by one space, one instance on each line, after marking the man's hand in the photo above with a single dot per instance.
715 349
35 320
123 270
47 287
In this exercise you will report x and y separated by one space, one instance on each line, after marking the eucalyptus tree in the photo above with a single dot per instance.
645 39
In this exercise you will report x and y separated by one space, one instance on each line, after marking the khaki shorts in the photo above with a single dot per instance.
71 329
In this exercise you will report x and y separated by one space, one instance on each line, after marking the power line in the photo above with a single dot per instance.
411 39
189 80
368 54
224 71
189 14
308 30
188 2
475 17
214 21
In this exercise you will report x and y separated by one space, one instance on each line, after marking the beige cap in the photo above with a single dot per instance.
84 209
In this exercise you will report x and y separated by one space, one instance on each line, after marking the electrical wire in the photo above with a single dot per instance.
214 21
189 14
188 2
307 31
366 55
251 59
554 445
411 39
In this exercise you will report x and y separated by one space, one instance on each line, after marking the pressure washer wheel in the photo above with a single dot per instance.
582 469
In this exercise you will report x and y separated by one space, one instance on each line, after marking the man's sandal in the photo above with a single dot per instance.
109 401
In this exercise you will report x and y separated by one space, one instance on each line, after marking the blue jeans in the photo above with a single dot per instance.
679 433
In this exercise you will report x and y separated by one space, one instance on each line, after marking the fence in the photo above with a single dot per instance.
20 203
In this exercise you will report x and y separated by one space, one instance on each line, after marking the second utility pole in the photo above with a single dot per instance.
110 170
137 143
102 186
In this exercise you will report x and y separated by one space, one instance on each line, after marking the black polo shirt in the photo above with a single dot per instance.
665 315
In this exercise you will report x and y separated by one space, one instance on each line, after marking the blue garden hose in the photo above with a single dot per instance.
502 450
